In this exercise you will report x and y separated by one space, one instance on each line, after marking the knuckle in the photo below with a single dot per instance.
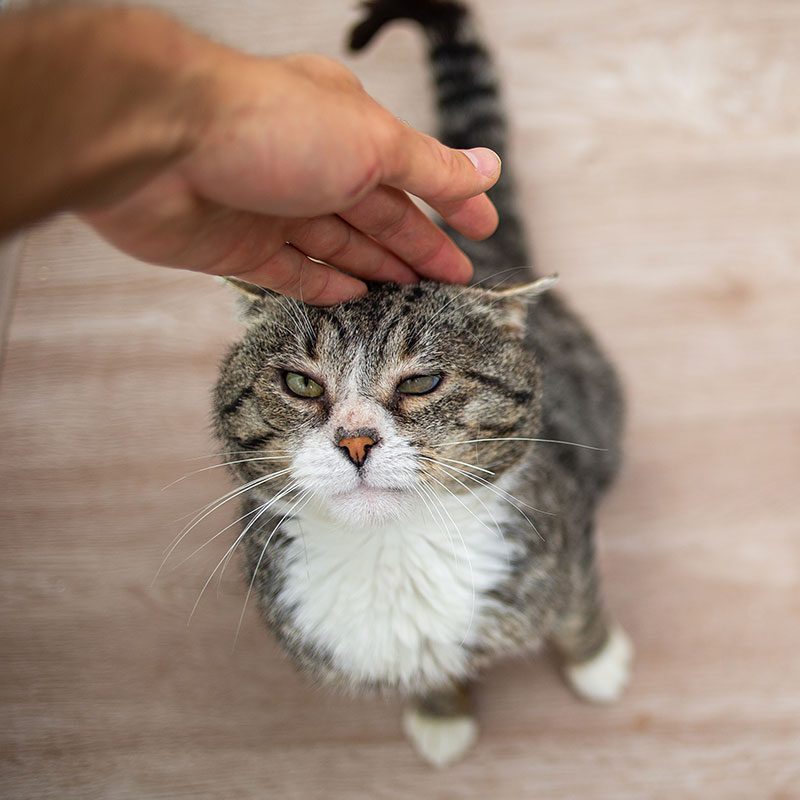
363 181
278 272
394 224
243 251
436 247
445 168
298 231
388 135
389 128
288 283
342 245
325 68
322 238
314 289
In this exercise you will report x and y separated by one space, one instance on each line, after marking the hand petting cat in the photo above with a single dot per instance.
186 153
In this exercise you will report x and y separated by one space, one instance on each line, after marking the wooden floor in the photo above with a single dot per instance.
658 144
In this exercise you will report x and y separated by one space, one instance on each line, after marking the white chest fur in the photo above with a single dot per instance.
396 603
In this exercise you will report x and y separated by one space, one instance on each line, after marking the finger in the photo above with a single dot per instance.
389 217
475 217
251 247
331 239
291 273
423 166
168 224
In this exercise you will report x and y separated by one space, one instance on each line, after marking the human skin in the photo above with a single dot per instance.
186 153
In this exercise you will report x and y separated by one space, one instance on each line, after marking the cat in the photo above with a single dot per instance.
421 467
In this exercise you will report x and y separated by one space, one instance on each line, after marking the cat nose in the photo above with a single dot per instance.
356 446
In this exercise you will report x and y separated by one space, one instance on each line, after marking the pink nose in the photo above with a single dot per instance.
356 447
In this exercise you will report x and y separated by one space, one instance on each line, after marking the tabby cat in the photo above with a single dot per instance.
421 467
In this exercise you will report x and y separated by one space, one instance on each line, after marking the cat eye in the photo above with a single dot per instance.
301 385
419 384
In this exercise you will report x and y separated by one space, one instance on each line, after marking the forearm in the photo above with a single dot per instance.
186 153
94 101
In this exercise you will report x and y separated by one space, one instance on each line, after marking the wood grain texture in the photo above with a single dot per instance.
10 251
658 150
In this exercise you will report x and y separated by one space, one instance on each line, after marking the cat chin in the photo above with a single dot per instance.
369 506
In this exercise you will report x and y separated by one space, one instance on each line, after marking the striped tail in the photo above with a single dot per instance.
470 115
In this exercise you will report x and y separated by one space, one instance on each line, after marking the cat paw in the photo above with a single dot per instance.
603 678
439 740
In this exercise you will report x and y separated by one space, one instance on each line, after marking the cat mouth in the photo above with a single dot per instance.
366 490
369 504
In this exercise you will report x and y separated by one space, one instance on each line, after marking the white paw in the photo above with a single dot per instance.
439 740
602 679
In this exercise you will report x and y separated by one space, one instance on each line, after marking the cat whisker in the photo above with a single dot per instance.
467 464
522 439
302 304
238 453
292 316
176 543
304 497
211 576
223 464
239 538
466 556
213 506
466 289
481 522
502 493
290 489
489 485
229 495
219 533
195 514
436 504
236 492
485 508
419 489
269 504
297 313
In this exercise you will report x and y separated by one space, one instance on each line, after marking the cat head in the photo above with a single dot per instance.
377 401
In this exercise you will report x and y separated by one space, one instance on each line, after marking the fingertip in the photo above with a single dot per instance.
460 276
485 161
475 218
436 173
466 272
451 265
485 223
340 289
458 267
395 271
406 280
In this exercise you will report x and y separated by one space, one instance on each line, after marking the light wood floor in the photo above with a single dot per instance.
658 144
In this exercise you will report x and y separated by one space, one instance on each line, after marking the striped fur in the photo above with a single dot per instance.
356 568
470 114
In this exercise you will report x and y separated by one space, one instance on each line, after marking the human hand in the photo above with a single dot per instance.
294 161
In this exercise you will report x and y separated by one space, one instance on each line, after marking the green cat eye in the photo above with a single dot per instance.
302 385
419 384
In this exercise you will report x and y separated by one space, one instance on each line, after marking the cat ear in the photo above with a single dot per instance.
513 301
527 291
253 299
248 290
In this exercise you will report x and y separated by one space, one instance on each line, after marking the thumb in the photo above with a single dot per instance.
423 166
443 177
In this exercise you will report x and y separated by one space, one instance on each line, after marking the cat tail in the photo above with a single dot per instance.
470 114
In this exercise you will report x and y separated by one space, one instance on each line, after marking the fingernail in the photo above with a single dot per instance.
486 161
